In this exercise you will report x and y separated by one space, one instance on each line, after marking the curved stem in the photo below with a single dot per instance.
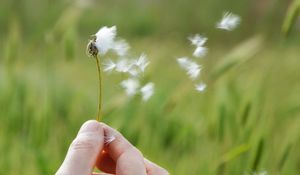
100 89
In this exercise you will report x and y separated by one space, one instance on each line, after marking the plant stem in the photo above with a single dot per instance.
100 88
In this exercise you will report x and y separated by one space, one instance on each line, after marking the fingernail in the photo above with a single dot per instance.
90 126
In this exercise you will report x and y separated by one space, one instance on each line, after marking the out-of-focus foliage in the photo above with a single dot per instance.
291 17
247 120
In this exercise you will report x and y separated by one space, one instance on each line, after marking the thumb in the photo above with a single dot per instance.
84 150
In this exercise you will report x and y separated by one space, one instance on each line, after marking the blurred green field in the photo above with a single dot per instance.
247 121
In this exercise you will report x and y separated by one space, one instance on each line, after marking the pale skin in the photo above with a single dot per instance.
118 156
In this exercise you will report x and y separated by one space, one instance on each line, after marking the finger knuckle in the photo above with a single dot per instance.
84 142
137 151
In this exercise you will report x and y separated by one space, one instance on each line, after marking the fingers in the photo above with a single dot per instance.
129 160
83 152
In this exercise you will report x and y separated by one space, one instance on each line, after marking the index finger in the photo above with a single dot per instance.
129 160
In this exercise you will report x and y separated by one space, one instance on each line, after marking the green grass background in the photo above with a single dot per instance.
248 119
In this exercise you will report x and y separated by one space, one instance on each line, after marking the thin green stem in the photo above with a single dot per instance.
100 88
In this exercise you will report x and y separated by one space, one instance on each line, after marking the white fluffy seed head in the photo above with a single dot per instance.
105 39
229 21
147 91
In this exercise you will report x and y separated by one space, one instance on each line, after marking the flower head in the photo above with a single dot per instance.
229 21
192 68
91 49
147 91
104 40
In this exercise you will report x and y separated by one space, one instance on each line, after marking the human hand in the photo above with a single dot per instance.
98 145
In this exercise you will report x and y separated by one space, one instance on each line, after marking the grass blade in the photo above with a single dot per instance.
238 55
291 17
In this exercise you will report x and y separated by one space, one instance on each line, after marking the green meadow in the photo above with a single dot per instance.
246 121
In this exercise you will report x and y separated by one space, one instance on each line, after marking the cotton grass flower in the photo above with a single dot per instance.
147 91
192 68
200 87
229 21
131 86
105 39
99 45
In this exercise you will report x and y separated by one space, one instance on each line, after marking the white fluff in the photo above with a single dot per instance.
138 65
200 87
198 40
131 86
109 139
229 21
200 51
147 91
192 68
105 39
121 47
109 65
142 62
123 65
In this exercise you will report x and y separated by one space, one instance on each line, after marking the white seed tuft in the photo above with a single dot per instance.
105 39
123 65
198 40
200 87
200 51
229 21
147 91
192 68
109 65
138 65
109 139
131 86
121 47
